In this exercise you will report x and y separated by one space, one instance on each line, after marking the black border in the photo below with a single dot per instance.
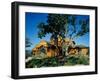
15 39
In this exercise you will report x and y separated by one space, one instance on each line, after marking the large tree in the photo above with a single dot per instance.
63 25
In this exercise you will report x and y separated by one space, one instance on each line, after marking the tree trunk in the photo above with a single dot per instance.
59 53
56 43
55 36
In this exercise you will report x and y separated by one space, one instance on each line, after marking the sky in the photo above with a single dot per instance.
31 30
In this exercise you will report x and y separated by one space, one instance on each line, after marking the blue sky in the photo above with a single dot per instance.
31 30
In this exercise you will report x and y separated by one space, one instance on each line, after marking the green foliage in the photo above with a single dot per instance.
72 60
63 25
78 59
45 62
54 61
83 60
55 25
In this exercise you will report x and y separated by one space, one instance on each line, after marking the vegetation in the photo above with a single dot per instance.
78 60
27 44
64 26
54 62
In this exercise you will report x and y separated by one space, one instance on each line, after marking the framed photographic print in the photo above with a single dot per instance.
51 40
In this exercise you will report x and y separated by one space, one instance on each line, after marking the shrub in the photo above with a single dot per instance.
83 59
53 61
77 60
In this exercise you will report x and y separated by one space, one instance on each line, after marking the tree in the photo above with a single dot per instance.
62 25
77 28
27 42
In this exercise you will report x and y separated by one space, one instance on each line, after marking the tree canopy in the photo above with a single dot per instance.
63 25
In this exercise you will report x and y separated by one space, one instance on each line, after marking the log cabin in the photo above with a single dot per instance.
78 50
51 50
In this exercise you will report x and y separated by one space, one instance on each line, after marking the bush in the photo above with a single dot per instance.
45 62
83 60
77 60
53 61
